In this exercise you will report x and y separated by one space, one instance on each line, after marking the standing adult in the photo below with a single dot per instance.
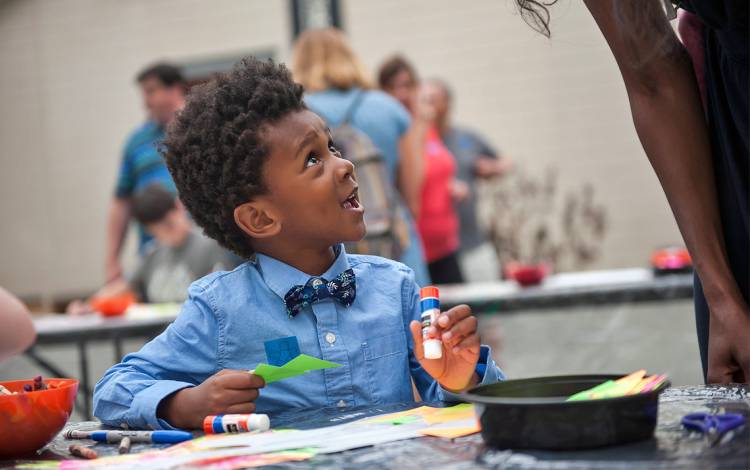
437 222
701 156
337 88
163 89
476 160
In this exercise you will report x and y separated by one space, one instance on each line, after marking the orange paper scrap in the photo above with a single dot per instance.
451 433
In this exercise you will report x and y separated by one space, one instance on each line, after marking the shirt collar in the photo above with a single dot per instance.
280 277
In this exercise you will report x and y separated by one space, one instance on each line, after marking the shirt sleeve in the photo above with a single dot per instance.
184 355
429 389
125 178
484 147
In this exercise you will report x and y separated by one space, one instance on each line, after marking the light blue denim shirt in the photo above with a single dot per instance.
229 315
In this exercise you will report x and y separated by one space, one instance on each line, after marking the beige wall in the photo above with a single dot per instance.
68 101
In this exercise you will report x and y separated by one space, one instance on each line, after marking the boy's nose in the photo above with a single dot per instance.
345 169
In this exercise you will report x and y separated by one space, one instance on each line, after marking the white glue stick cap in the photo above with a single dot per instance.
258 422
433 349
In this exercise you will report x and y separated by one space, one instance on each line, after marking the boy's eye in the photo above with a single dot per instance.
333 149
312 159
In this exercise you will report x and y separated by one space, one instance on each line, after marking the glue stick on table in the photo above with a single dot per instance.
215 424
429 303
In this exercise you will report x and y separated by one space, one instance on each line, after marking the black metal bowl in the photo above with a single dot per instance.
533 414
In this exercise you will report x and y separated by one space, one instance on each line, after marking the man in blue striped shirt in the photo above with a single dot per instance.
163 89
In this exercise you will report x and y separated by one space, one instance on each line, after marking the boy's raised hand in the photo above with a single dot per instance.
457 328
226 392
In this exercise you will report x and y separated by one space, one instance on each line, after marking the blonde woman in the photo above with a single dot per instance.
335 80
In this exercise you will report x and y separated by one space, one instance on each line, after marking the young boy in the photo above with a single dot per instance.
177 256
259 172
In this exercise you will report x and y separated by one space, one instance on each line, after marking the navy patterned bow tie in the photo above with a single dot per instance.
342 288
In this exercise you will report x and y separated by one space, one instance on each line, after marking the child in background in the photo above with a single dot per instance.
177 256
259 172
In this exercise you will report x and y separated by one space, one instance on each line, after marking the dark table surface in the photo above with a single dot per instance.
672 446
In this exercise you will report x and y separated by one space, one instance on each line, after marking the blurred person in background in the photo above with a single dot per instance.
476 160
338 87
17 332
700 152
163 89
177 255
437 222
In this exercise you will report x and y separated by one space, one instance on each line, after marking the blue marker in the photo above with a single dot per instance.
151 437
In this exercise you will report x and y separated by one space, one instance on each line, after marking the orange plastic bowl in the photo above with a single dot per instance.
112 306
29 420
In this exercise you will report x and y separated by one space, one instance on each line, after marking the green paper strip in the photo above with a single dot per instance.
586 394
297 366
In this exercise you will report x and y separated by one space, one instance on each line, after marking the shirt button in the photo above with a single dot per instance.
341 403
331 338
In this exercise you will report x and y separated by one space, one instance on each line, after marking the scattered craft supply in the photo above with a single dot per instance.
115 436
236 423
632 384
281 350
124 447
82 452
715 426
38 384
297 366
429 304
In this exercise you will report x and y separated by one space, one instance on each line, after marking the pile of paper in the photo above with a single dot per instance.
230 451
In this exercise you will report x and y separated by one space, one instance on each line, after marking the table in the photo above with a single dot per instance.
559 290
55 329
672 447
571 289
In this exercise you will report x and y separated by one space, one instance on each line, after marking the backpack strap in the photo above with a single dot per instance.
353 107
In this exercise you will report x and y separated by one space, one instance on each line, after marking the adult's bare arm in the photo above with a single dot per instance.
117 225
668 117
17 332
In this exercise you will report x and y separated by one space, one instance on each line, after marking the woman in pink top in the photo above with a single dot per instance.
438 221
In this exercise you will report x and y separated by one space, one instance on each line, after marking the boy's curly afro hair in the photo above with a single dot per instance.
215 149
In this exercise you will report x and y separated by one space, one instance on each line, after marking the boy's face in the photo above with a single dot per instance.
312 190
172 229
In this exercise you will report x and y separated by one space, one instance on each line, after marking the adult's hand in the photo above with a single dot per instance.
729 343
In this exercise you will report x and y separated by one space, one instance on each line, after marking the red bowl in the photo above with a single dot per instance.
112 306
527 274
29 420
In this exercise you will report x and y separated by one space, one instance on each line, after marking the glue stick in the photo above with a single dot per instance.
429 303
215 424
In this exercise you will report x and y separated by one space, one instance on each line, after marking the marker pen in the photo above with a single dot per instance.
154 437
429 303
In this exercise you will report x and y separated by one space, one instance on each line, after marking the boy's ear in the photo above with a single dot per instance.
257 219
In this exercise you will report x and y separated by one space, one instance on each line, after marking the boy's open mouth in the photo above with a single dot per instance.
352 202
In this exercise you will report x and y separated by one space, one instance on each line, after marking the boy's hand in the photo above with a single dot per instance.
457 328
226 392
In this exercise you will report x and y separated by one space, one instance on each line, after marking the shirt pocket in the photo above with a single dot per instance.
387 367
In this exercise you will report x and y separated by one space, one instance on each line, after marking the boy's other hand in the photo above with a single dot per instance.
457 329
226 392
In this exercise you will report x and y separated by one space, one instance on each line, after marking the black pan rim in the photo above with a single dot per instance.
468 396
